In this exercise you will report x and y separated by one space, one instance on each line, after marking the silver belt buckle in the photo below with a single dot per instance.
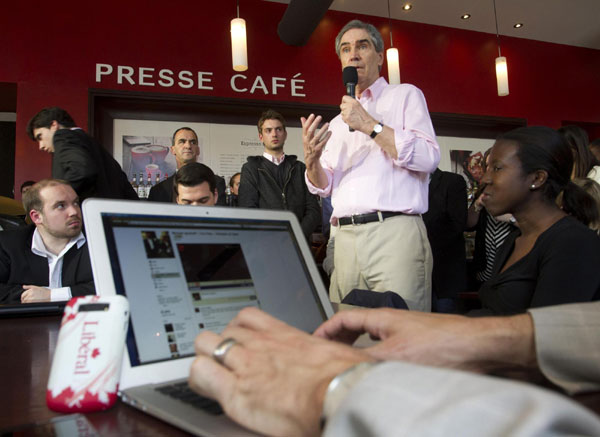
352 218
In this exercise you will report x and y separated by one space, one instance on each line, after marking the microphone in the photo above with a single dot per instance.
350 77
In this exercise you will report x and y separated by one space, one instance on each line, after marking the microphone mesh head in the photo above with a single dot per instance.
350 75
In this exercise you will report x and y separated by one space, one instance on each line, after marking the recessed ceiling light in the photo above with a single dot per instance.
465 16
516 26
407 7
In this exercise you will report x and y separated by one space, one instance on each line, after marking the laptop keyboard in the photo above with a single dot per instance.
183 392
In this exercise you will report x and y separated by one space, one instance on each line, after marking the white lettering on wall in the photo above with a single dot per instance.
124 72
185 79
275 83
143 75
233 84
166 78
297 85
202 80
103 70
259 83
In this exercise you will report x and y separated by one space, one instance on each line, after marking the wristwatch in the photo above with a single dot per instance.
377 129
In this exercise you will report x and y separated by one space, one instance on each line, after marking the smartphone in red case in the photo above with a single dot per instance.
85 371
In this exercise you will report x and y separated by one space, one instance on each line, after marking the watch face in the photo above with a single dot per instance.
377 129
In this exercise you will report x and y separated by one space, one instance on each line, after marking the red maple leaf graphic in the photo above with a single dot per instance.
95 352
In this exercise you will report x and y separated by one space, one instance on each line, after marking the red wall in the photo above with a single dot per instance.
51 52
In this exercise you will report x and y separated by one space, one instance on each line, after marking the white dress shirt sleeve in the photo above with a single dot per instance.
58 294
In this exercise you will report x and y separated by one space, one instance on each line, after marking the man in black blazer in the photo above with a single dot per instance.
77 158
445 221
185 148
49 260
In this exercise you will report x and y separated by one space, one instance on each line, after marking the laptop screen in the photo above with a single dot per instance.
183 275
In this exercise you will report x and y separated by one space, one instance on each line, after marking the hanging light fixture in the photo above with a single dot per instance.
393 61
501 66
239 54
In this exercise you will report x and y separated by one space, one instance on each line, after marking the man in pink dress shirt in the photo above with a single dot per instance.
377 175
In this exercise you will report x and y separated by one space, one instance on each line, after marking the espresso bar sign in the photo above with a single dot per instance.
201 80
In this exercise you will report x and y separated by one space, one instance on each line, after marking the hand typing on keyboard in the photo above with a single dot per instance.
273 380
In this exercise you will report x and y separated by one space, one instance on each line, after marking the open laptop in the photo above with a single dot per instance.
186 269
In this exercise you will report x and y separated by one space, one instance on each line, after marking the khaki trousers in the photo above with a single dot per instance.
393 255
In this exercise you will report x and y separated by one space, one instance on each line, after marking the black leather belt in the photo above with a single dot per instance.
361 219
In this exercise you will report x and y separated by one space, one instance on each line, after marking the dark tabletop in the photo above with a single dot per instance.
26 351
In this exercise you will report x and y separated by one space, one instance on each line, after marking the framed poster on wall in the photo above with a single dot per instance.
143 146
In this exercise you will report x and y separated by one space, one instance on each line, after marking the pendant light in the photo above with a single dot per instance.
393 61
501 66
239 54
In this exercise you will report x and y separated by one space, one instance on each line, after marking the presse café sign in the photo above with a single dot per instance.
201 80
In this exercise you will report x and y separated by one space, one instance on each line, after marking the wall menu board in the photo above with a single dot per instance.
143 146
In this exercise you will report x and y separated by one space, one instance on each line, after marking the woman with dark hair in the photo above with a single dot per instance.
586 165
552 258
591 187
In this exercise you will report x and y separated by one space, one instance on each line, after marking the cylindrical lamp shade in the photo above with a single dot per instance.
239 57
502 76
393 65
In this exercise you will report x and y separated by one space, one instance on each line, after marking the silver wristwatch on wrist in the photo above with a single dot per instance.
377 129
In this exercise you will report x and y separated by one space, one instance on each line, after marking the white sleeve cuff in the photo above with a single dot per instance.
58 294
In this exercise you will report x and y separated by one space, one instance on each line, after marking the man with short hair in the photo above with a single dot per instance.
25 186
185 148
276 180
49 260
375 162
194 184
77 158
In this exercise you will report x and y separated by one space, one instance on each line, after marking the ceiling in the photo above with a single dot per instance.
572 22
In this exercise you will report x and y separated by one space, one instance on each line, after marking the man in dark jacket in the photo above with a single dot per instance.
445 221
77 158
275 180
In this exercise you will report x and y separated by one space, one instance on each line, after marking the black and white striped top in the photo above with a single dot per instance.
495 234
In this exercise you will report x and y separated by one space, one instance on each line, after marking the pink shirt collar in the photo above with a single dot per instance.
375 90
